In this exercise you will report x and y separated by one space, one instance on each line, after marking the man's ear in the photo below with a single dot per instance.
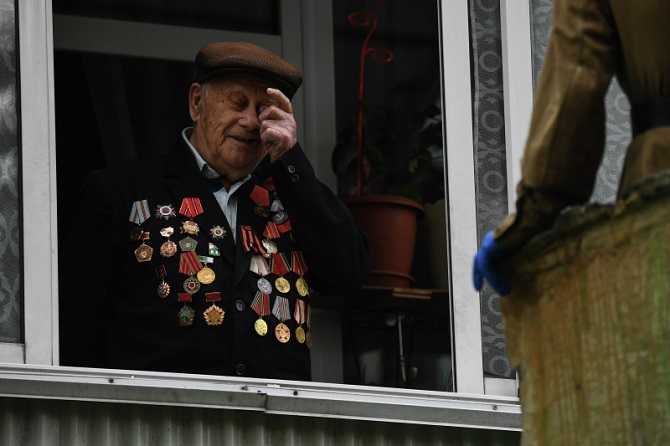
195 101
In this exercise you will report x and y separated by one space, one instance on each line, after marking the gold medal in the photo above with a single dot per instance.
300 334
214 315
206 275
282 285
261 327
185 316
308 339
282 333
144 252
302 287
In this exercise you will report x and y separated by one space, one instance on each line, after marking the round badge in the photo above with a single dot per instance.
261 327
302 287
163 290
264 285
282 333
282 285
280 217
300 334
168 249
206 276
191 285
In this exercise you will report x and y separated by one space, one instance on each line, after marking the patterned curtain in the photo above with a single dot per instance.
490 164
10 230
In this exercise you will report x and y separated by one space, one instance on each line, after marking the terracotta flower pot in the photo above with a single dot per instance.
390 223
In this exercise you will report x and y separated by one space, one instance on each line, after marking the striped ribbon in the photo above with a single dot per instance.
259 265
281 309
190 207
299 314
279 264
299 265
261 196
251 242
271 231
139 212
189 263
261 304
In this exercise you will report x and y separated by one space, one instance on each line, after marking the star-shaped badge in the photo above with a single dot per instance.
217 232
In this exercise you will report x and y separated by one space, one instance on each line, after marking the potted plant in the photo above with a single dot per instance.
380 180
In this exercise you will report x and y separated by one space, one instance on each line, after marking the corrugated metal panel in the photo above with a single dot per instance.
34 422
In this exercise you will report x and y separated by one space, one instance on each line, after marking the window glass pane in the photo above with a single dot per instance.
402 144
10 231
259 16
490 163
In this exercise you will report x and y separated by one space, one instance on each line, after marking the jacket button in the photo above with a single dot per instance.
291 168
295 178
239 305
240 369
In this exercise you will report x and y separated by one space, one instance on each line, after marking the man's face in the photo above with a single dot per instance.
226 126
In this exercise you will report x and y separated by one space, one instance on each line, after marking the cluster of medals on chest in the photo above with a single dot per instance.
266 259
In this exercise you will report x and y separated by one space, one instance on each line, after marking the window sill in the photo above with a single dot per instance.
291 398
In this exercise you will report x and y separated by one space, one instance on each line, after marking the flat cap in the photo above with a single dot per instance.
223 58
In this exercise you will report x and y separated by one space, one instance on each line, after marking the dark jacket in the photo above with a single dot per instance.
112 316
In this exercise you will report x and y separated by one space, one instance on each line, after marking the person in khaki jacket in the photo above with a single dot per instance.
591 41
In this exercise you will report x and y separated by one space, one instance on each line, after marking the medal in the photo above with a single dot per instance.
300 268
191 285
261 305
165 211
168 248
261 327
190 207
282 285
213 250
206 274
163 286
217 232
264 285
300 334
282 333
279 265
188 244
136 234
214 314
144 252
280 217
261 198
299 316
308 339
269 246
186 314
281 312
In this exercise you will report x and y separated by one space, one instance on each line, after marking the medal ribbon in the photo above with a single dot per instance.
139 212
299 265
260 196
188 263
279 264
271 230
269 184
276 206
285 227
281 309
299 314
261 304
206 259
259 265
190 207
251 242
160 272
185 297
213 297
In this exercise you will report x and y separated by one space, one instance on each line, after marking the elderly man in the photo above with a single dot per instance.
591 41
207 256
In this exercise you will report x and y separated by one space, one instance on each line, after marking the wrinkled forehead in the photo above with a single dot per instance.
240 82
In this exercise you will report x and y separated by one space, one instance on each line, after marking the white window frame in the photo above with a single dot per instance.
37 358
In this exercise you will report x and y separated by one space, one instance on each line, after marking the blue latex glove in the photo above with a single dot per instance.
483 266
